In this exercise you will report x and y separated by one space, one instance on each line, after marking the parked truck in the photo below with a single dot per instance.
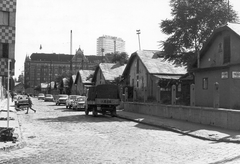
102 99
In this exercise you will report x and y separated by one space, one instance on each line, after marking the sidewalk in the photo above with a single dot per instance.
186 128
13 123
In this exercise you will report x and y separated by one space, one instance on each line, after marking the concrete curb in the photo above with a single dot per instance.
173 129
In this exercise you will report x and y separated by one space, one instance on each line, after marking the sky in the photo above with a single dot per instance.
48 23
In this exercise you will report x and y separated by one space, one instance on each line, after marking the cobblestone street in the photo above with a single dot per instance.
58 135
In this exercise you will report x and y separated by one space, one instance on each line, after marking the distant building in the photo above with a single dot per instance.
109 44
7 39
43 68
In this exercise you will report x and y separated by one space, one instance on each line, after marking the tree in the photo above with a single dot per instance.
192 23
115 57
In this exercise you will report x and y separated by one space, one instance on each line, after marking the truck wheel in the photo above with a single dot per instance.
86 111
113 112
103 112
94 112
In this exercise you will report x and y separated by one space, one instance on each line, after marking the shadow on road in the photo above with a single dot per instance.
82 118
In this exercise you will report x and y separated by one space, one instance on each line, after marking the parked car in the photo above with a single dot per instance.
41 96
21 101
70 100
49 97
79 103
61 99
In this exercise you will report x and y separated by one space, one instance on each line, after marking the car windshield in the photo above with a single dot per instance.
62 96
48 95
73 97
41 94
80 99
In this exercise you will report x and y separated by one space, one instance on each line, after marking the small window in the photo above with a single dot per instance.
205 83
4 18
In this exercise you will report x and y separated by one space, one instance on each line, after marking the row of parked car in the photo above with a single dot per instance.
71 101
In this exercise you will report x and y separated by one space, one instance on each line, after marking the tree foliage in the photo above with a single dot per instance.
121 57
192 23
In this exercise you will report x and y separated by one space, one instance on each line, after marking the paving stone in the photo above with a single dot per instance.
58 135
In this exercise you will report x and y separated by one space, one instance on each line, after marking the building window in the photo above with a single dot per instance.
226 49
4 18
4 50
205 83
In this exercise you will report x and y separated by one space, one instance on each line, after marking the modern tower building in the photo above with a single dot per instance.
7 41
109 44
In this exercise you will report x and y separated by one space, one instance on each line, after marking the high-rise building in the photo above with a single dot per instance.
109 44
7 40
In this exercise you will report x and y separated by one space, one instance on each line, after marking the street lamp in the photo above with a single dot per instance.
138 33
9 62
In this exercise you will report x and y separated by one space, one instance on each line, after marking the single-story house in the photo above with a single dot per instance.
108 73
144 70
218 72
83 80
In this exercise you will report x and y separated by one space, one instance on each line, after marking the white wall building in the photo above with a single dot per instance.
109 44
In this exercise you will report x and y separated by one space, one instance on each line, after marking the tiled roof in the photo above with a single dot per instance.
85 75
73 78
154 64
51 57
111 70
235 27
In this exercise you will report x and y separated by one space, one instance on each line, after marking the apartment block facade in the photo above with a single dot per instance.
109 44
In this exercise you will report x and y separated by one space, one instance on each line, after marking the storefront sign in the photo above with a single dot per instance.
224 75
236 75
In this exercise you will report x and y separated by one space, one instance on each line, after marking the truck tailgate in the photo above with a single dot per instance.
107 101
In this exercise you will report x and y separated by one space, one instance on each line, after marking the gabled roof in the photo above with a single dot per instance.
84 75
73 79
154 63
233 27
110 71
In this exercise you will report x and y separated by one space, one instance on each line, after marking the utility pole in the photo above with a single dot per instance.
71 50
138 33
9 62
102 49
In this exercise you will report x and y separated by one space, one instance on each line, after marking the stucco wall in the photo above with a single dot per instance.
205 97
224 118
234 88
